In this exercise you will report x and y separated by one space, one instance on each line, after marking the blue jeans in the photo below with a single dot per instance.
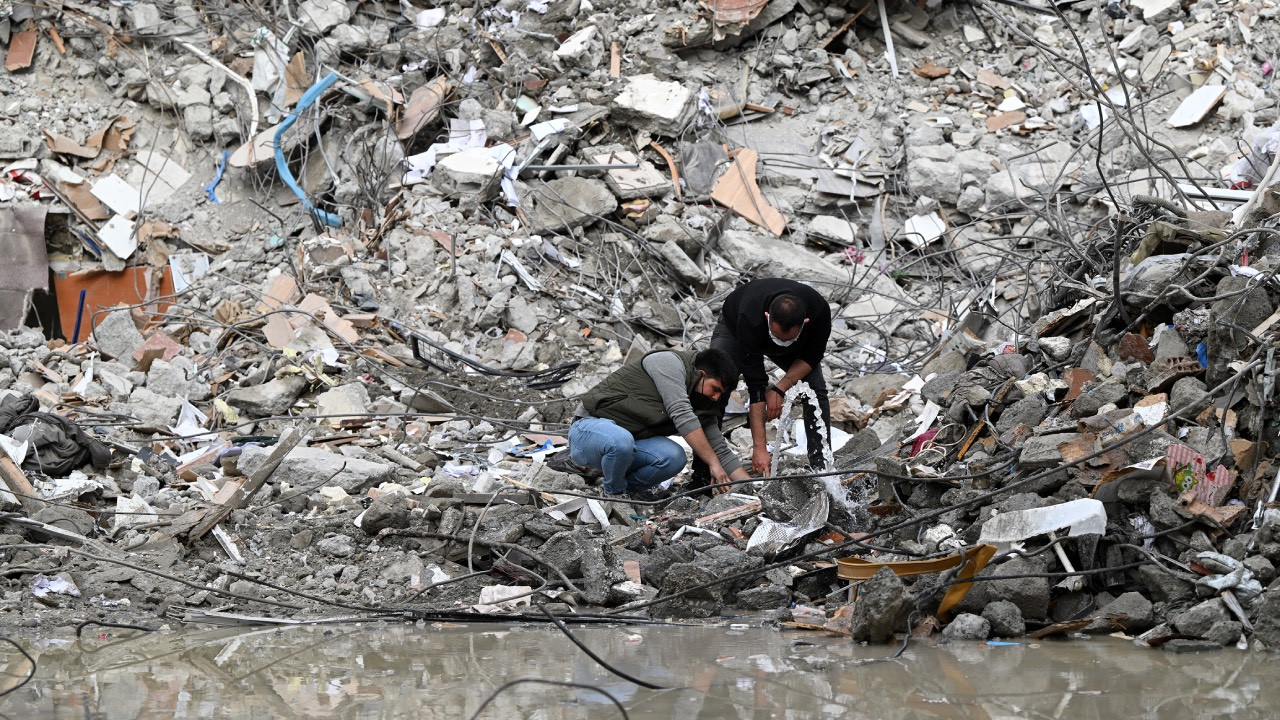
627 463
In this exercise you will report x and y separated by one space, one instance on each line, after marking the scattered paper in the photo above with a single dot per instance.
61 584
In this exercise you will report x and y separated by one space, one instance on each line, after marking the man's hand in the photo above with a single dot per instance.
761 462
772 405
719 479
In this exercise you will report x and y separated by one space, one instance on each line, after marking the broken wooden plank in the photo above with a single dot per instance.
738 191
240 495
727 516
17 482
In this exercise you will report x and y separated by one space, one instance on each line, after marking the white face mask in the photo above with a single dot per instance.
780 342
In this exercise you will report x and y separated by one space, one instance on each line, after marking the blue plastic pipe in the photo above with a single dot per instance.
309 97
75 336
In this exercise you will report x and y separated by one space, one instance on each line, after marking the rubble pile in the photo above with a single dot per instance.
303 295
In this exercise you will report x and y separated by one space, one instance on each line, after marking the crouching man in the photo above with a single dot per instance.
621 428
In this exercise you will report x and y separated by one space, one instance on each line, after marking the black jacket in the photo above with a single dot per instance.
743 316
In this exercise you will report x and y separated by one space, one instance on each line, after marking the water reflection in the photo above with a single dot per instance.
439 671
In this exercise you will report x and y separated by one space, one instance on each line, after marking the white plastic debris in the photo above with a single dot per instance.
1083 517
503 598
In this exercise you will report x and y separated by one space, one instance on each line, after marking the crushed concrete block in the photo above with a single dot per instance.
389 510
570 202
835 229
631 183
773 257
765 597
655 105
881 608
1199 618
117 336
168 380
581 49
305 466
336 546
274 397
683 265
1162 586
1131 612
153 408
1042 451
938 179
198 119
66 518
349 399
145 19
471 173
967 626
1005 619
1004 191
1030 594
350 38
318 17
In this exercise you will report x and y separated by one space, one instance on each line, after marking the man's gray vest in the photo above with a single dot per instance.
630 398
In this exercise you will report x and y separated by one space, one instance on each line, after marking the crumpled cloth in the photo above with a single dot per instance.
57 445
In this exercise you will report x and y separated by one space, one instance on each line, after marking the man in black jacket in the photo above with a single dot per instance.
789 323
623 424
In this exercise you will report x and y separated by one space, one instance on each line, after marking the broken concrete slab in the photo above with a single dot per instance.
271 398
117 336
632 183
660 106
307 466
318 17
472 173
773 257
565 203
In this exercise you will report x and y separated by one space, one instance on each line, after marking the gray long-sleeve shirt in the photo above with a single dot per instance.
667 371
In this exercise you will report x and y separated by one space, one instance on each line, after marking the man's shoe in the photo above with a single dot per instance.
562 462
698 482
649 495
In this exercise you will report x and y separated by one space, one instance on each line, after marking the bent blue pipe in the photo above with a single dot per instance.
308 97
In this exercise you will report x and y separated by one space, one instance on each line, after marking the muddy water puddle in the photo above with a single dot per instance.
432 671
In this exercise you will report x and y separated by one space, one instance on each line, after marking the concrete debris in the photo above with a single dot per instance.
658 106
357 381
566 203
967 626
471 173
881 608
273 397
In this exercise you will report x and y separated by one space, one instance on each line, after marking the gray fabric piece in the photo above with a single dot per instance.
26 264
667 371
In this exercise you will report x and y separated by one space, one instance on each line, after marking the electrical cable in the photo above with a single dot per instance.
559 683
127 626
591 654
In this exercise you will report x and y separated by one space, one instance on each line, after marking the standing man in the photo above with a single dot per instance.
621 428
789 323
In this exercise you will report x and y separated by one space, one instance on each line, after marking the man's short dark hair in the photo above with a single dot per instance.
788 311
719 365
